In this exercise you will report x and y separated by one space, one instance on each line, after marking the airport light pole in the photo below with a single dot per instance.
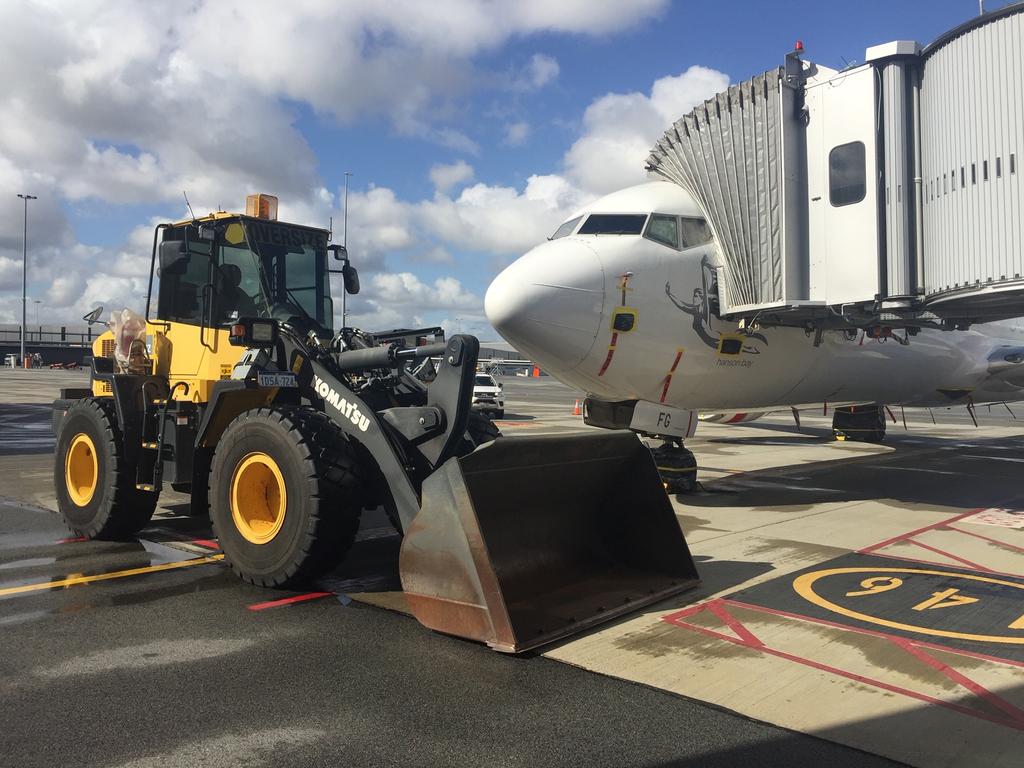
24 274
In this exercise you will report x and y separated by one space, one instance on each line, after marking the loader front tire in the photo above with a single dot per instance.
94 481
285 495
481 429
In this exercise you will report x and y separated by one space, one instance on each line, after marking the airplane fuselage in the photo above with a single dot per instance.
628 317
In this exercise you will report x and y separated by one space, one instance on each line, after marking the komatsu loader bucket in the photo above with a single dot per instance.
528 540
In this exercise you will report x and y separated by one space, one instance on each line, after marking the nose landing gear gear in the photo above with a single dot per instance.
863 423
676 465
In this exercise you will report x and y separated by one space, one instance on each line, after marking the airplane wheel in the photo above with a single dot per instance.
285 495
677 466
95 483
859 423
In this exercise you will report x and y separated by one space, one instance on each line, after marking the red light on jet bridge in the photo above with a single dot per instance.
799 47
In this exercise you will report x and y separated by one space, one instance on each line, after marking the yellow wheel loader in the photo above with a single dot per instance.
235 388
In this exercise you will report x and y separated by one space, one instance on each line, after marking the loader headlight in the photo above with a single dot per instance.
250 332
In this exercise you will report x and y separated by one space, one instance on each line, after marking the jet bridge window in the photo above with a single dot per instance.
847 174
663 229
613 224
566 229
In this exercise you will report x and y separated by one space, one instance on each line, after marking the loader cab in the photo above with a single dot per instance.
209 272
216 270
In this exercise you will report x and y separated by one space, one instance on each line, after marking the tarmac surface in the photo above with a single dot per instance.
153 653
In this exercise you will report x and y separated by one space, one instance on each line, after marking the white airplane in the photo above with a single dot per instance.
622 302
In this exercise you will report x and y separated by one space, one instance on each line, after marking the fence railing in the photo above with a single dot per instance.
51 335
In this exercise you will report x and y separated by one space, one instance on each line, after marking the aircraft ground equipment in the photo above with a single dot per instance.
237 390
861 423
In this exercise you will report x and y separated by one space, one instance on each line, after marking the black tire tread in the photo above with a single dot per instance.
129 509
481 429
334 485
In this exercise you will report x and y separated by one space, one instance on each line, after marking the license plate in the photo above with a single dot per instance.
277 380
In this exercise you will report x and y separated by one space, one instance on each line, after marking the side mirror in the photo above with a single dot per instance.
94 316
340 252
351 276
173 257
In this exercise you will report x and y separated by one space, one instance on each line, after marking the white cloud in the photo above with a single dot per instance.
517 133
539 71
542 70
401 299
619 129
133 104
444 177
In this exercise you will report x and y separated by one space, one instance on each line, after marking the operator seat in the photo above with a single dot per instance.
231 297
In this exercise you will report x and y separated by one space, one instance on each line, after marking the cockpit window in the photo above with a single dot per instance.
566 228
695 232
613 224
663 229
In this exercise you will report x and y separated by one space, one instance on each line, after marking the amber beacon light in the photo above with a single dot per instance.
261 206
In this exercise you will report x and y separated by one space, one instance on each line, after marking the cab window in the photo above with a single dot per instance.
182 285
613 224
663 229
566 229
695 232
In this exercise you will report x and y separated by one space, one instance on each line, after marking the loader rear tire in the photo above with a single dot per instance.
95 482
285 495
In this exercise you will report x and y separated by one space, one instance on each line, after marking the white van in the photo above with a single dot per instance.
487 396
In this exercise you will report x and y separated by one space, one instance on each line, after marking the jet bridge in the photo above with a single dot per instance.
888 193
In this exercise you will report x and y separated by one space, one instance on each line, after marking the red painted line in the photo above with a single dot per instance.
936 562
749 638
611 351
940 524
668 376
736 417
664 389
902 536
872 632
1014 723
987 538
977 689
675 363
950 555
289 600
672 618
208 543
894 688
72 540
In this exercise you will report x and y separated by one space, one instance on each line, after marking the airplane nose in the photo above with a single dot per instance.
548 303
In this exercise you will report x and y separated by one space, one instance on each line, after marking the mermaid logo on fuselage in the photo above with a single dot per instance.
704 312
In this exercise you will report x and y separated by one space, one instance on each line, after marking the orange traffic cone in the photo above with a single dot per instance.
576 409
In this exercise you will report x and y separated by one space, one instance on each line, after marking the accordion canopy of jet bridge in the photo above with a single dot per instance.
886 193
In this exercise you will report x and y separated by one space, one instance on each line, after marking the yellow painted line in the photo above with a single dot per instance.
804 586
72 581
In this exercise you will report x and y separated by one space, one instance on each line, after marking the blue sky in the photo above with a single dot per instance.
516 108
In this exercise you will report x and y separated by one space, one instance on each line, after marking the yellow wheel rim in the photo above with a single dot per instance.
258 498
81 469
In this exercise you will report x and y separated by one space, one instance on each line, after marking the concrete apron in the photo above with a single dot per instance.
780 505
933 516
